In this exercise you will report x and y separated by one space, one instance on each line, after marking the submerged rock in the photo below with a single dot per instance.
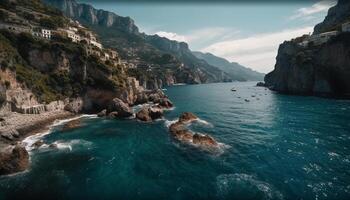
13 159
260 84
38 144
71 125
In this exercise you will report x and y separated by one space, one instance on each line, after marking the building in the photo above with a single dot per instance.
46 33
96 44
90 50
345 27
73 36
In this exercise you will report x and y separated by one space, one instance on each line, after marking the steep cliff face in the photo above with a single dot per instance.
320 70
141 49
336 15
89 15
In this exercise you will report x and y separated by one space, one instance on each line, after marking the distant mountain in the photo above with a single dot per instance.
165 61
233 69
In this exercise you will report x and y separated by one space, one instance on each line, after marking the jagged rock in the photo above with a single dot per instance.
9 134
120 107
13 159
38 144
141 98
204 140
72 125
103 113
260 84
113 115
144 115
187 117
183 136
149 113
165 102
53 146
74 105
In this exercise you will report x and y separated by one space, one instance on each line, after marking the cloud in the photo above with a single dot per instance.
256 51
307 13
172 36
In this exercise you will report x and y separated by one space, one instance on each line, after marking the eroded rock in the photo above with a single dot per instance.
13 159
120 107
72 125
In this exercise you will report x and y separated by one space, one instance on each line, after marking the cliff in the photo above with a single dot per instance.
147 52
320 70
335 17
234 70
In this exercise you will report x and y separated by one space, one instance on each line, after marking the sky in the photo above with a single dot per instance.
247 33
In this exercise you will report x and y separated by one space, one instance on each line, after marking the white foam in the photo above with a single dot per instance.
227 183
168 123
30 140
69 145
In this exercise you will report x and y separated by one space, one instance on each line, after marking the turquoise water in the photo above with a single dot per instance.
276 147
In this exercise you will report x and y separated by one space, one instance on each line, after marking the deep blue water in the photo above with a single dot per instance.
277 147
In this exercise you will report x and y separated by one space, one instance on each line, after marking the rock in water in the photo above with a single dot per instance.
72 125
38 144
148 114
165 103
204 140
260 84
14 159
103 113
187 117
120 107
144 115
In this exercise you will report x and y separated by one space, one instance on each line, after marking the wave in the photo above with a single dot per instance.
30 140
69 145
244 184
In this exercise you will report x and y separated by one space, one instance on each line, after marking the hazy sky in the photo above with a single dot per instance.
247 33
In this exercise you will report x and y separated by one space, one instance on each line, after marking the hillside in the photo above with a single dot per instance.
160 60
233 69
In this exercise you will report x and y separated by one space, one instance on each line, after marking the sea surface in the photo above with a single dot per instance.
275 147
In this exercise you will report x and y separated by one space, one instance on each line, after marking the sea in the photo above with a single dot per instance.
272 146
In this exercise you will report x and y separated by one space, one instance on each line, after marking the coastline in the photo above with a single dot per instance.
15 128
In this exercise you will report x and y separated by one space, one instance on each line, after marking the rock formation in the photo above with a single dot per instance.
13 159
180 132
321 70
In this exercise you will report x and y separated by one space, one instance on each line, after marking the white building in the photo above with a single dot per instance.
345 27
45 33
73 36
96 44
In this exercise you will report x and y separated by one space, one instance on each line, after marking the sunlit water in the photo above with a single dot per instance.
276 147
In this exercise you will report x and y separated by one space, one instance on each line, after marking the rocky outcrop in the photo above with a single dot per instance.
181 133
321 70
149 114
120 108
335 17
13 159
